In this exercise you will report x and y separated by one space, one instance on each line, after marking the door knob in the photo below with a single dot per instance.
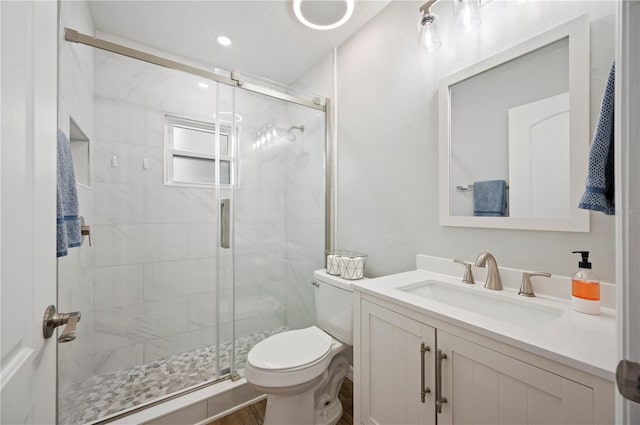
52 319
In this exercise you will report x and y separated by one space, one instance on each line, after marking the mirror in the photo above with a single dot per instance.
514 135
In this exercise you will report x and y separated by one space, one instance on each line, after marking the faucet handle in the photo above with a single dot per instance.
468 274
526 288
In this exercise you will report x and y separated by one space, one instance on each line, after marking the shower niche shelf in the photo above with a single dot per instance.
80 152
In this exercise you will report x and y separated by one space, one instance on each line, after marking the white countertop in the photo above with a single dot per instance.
582 341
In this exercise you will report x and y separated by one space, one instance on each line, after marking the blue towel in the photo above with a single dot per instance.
490 198
68 225
599 194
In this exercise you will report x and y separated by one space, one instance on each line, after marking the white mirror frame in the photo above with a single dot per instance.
578 32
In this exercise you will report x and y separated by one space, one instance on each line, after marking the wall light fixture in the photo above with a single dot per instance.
428 28
466 15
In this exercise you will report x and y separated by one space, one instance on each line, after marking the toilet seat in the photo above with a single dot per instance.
290 350
290 358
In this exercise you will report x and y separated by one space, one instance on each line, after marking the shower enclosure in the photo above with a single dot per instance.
205 212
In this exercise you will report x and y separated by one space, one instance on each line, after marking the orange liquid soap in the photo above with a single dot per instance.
585 287
585 290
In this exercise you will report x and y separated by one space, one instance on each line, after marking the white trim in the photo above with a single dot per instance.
334 150
627 153
1 379
174 405
234 409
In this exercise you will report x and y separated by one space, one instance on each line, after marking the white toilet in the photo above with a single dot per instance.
301 371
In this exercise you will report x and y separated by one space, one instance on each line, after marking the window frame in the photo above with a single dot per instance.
172 121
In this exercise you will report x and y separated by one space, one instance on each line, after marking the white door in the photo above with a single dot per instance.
396 369
538 157
627 150
28 74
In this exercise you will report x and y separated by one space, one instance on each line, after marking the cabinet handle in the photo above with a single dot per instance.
424 390
440 400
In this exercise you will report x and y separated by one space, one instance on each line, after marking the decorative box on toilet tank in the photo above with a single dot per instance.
346 264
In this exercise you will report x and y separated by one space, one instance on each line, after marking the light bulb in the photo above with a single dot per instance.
428 33
465 15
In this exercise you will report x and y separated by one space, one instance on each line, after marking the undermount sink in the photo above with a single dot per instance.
495 306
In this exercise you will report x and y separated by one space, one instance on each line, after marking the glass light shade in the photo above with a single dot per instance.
466 15
428 33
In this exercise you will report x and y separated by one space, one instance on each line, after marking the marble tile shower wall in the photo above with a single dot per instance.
305 215
260 230
155 254
75 271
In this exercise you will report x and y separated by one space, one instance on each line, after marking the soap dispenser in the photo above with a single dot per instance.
585 287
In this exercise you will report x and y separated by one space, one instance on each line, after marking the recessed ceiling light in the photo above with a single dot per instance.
204 85
323 15
224 41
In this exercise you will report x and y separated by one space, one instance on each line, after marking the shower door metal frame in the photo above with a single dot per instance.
76 37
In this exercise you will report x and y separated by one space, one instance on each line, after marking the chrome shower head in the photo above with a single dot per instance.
292 137
270 134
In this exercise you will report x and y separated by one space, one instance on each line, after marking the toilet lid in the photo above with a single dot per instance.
291 349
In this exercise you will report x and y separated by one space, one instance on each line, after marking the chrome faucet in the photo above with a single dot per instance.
526 288
493 274
468 274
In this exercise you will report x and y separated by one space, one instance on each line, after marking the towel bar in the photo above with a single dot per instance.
467 187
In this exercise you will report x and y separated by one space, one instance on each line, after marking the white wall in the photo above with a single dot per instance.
388 138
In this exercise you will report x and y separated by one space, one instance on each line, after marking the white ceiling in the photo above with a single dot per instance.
268 41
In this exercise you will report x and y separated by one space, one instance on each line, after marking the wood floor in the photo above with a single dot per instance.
254 414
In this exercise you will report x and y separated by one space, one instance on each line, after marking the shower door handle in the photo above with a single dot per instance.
225 217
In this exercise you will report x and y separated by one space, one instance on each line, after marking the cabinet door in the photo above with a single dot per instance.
392 368
483 386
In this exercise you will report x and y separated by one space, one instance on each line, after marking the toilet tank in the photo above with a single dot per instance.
334 305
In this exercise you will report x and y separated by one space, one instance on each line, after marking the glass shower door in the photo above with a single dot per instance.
144 145
205 205
278 217
226 140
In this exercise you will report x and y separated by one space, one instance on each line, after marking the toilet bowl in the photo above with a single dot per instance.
302 370
295 368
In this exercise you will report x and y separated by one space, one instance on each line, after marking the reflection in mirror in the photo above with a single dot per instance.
514 131
484 109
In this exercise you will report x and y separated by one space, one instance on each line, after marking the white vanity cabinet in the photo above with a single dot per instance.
483 386
397 370
483 380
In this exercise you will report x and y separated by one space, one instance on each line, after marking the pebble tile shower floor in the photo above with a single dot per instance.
109 393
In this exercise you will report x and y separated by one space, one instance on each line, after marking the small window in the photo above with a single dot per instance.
190 157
